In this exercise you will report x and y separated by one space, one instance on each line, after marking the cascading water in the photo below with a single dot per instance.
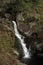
21 39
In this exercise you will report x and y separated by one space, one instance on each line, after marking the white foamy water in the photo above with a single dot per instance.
21 38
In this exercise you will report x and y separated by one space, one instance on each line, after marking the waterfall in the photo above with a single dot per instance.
21 39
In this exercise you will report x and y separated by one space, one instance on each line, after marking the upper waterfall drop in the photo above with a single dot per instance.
23 44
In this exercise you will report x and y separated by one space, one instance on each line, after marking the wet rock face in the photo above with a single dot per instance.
23 27
39 46
37 49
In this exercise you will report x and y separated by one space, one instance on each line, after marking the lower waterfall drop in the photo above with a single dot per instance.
21 38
